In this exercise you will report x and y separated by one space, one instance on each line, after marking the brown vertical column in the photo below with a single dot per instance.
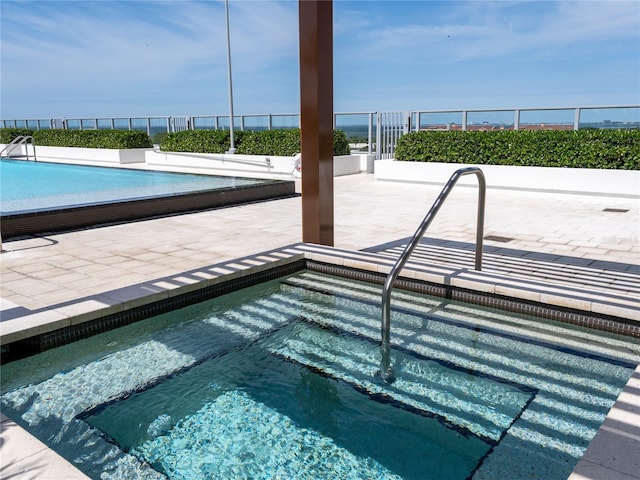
316 119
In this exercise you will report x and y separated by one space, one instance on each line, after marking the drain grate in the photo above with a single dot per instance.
496 238
616 210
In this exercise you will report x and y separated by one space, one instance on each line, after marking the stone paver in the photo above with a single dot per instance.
367 213
544 231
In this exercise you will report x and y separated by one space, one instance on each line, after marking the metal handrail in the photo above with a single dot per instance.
20 140
266 162
386 372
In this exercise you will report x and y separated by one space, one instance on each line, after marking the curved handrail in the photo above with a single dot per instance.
20 140
386 372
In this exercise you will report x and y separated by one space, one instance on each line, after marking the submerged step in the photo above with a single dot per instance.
237 437
464 400
508 324
149 360
147 422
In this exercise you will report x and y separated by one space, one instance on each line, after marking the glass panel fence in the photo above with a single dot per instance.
491 120
439 120
223 123
121 123
104 124
139 124
88 124
354 125
256 123
356 128
616 118
547 119
285 121
158 128
204 123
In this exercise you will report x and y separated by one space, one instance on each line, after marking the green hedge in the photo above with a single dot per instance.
8 134
609 149
282 142
117 139
340 143
200 141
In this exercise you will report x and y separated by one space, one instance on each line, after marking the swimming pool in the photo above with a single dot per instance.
39 196
278 380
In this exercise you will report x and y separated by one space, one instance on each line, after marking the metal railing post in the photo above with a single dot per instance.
378 135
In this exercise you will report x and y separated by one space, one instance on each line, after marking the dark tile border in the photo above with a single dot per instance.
605 323
46 341
65 335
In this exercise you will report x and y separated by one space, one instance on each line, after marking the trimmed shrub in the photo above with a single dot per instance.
340 143
281 142
116 139
8 134
159 137
200 141
608 149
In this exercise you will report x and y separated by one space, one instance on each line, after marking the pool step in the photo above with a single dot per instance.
159 355
469 315
461 399
469 337
237 437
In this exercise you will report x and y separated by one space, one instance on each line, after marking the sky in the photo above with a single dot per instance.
102 58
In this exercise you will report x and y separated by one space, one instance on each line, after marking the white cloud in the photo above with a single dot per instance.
98 48
144 57
476 30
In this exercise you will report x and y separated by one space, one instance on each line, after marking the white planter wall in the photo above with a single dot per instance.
545 179
262 166
94 156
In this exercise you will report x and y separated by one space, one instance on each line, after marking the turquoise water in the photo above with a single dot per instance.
277 381
26 185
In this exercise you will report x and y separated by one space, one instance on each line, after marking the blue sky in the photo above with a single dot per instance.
142 58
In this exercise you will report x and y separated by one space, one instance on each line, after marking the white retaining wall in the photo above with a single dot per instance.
258 166
93 156
545 179
261 166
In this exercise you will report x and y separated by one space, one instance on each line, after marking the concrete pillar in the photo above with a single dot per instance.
316 119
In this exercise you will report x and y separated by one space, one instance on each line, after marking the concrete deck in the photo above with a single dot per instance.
587 248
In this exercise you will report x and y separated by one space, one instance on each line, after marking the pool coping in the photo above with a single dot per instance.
73 217
20 323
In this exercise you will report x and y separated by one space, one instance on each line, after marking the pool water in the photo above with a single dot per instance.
277 381
26 185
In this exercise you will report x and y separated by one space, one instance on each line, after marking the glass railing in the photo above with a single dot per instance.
362 129
553 118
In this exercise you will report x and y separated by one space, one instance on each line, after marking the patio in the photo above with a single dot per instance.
580 243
